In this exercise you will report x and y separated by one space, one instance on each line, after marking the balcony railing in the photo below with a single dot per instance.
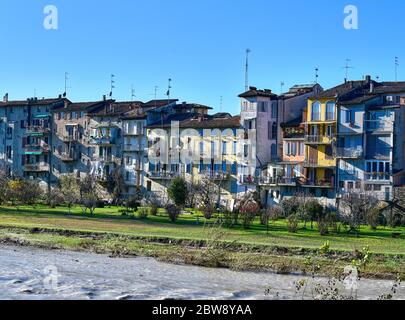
248 180
66 157
267 181
37 130
102 140
378 153
288 181
37 148
318 139
379 195
319 183
133 148
163 175
38 167
379 125
218 176
350 153
69 138
377 176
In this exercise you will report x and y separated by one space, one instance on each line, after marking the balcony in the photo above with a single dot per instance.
325 183
379 195
268 181
248 180
38 167
102 141
379 153
36 149
69 138
318 140
288 181
66 157
350 153
108 159
133 148
37 130
377 177
215 176
163 175
379 126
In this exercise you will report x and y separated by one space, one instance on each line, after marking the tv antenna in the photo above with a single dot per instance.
220 103
282 84
347 67
66 84
133 96
248 51
316 75
112 83
396 68
169 87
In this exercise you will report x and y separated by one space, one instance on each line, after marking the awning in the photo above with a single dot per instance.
33 153
42 116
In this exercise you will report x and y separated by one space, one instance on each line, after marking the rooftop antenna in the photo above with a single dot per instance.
66 84
112 85
133 96
396 68
316 75
169 87
347 67
35 93
282 84
220 103
248 51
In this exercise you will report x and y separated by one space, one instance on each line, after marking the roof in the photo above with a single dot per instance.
293 123
195 121
79 106
159 103
254 92
191 105
32 101
339 90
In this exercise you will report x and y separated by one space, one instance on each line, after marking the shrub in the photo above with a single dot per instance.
154 210
290 206
249 212
178 192
54 197
293 223
143 213
373 218
173 211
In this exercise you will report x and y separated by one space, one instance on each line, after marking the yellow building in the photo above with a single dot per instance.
320 136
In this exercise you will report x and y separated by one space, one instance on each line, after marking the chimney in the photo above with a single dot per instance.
104 97
5 99
60 96
368 79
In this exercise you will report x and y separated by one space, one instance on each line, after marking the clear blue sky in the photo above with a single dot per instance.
200 44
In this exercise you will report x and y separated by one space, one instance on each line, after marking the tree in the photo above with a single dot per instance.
14 190
314 211
354 207
88 194
173 211
290 206
4 179
178 192
249 210
70 190
30 192
206 192
116 185
54 197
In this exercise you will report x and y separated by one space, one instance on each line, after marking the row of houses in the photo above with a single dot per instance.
310 141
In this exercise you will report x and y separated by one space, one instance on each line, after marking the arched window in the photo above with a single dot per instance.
316 111
273 150
330 111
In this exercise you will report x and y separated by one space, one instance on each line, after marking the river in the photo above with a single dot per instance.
35 274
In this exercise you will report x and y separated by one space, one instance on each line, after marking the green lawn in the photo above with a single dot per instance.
111 220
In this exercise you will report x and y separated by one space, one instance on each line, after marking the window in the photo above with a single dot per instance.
329 152
262 106
329 131
316 111
274 131
274 110
330 111
348 116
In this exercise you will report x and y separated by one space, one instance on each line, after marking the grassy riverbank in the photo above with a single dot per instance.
188 242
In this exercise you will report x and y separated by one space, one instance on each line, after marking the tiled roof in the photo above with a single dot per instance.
254 92
38 102
195 121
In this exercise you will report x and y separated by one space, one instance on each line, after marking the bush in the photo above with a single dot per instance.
154 210
173 211
290 206
293 223
249 212
271 213
54 198
178 192
143 213
373 218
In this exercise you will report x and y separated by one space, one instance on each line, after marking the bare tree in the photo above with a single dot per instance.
206 192
70 190
354 207
88 194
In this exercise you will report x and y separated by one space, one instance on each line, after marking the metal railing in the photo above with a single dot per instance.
379 125
38 167
318 139
38 130
352 153
164 175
